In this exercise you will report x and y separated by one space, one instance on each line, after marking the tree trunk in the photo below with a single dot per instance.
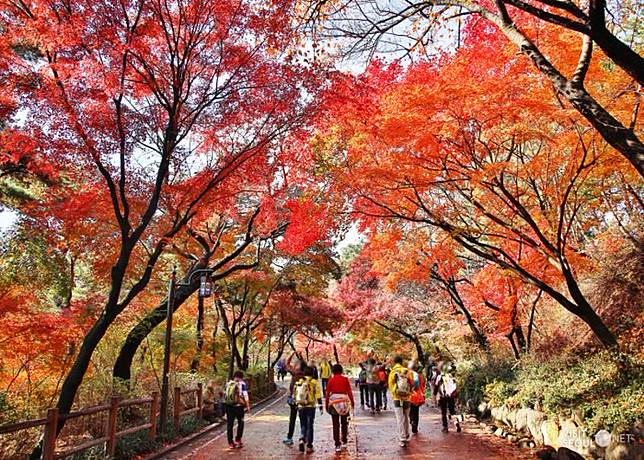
194 365
619 52
422 360
514 347
123 365
335 354
479 336
615 133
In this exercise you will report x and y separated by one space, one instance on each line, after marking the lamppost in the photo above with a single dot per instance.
205 290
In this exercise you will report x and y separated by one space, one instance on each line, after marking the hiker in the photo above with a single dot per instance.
236 402
314 366
361 383
417 397
338 403
446 391
297 372
307 394
401 386
373 385
281 370
383 375
325 373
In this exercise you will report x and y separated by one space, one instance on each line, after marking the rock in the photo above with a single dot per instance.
547 453
512 438
563 453
483 409
494 413
521 421
500 414
511 418
489 429
499 432
574 438
524 443
534 420
550 433
624 450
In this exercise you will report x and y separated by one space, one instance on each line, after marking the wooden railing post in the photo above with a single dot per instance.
176 415
200 400
154 408
110 446
49 439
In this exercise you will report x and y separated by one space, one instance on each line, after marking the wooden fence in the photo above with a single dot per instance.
259 386
111 417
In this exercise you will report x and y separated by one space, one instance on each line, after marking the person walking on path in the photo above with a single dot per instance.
383 376
314 366
297 373
236 402
446 391
338 403
401 386
361 383
373 385
417 397
325 373
307 394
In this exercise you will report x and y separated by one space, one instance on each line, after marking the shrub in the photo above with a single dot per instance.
606 389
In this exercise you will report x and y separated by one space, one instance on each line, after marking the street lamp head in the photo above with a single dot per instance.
205 286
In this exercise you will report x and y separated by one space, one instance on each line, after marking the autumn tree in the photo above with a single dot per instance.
154 105
421 26
489 168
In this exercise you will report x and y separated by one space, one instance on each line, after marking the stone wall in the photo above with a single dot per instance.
533 428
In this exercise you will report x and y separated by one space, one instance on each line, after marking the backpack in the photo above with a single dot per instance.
232 395
402 388
418 395
304 394
340 402
448 385
362 376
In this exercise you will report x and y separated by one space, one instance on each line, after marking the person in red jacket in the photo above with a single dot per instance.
339 402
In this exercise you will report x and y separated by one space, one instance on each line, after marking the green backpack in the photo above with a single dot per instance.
232 395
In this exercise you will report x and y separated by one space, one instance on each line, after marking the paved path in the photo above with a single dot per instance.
371 437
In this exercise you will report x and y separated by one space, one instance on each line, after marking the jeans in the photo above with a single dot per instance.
364 394
414 417
307 418
291 420
446 403
340 420
401 409
232 413
383 393
324 382
375 396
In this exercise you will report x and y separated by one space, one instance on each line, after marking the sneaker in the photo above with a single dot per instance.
403 443
445 430
239 444
231 445
301 446
338 448
288 441
309 449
